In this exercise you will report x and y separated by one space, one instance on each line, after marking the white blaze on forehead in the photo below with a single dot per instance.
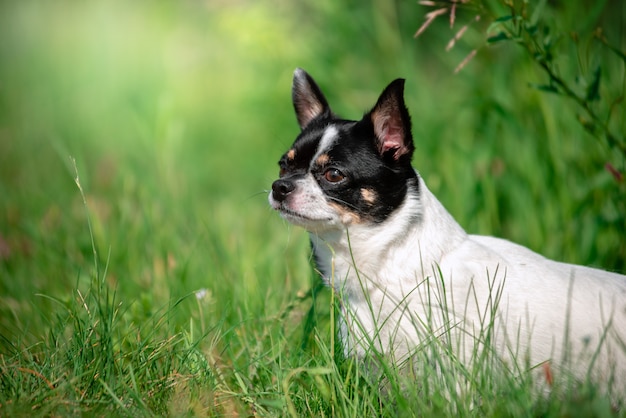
326 143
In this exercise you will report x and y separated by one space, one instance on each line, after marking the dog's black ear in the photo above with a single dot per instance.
308 100
392 123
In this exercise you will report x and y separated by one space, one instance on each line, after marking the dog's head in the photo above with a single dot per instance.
340 172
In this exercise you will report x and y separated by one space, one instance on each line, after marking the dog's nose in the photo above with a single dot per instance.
281 189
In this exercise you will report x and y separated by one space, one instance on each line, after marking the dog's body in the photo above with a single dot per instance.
406 271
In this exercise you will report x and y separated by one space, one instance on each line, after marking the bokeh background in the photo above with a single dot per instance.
176 113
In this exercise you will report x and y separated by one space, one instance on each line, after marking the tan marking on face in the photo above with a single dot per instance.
322 160
347 217
291 154
369 196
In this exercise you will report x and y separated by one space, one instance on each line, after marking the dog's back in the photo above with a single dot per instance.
565 314
541 311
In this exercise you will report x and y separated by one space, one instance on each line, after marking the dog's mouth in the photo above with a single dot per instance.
296 216
291 213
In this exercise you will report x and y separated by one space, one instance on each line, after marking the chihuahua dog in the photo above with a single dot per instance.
406 272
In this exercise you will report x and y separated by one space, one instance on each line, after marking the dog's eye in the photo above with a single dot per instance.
282 171
332 175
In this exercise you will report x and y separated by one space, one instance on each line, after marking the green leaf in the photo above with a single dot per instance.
500 22
545 87
593 91
531 29
501 36
504 18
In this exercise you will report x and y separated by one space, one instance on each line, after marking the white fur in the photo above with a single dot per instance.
392 277
326 142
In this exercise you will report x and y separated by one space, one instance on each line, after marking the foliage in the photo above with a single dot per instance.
573 52
163 284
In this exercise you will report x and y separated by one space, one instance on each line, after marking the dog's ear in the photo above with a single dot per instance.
308 100
392 123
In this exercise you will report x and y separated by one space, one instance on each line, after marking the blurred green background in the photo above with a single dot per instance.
177 112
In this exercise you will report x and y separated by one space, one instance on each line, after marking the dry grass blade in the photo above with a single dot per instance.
459 34
452 14
467 59
430 17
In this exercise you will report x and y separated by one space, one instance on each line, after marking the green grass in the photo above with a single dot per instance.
168 287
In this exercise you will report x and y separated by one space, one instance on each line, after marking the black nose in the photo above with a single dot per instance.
281 189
